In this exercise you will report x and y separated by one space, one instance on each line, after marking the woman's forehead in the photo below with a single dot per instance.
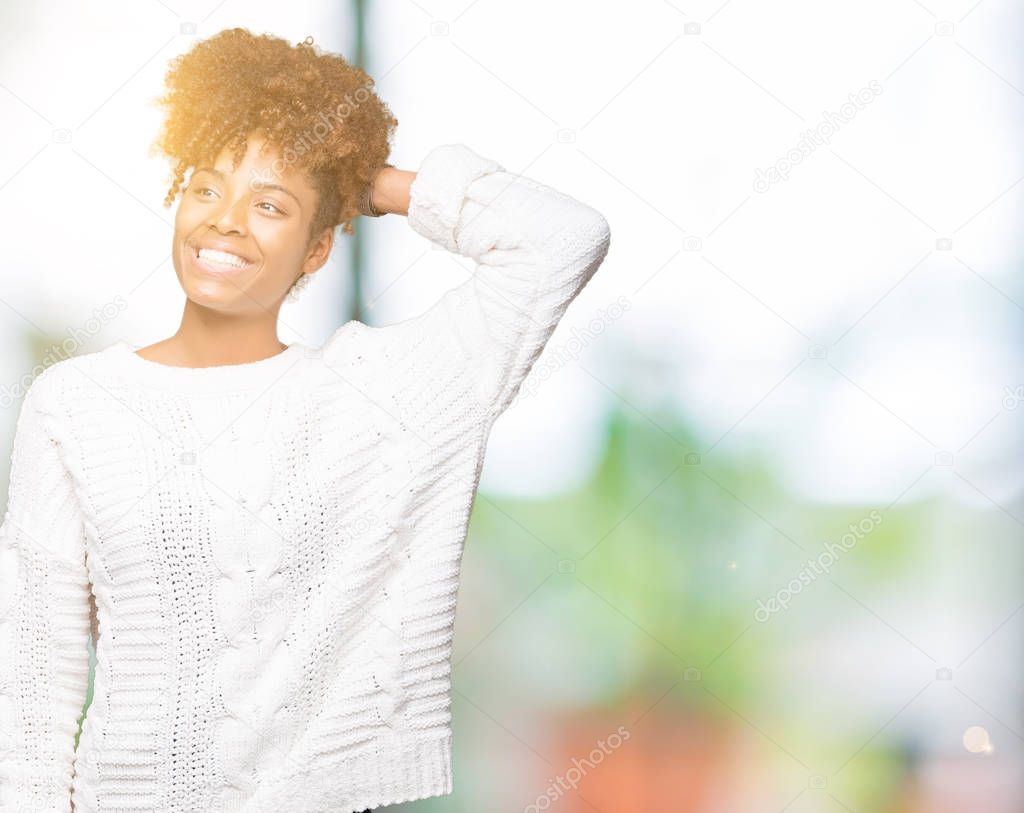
263 160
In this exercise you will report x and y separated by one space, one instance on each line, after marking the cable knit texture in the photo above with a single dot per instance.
267 554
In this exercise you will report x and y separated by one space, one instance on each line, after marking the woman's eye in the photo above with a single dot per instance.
202 189
271 205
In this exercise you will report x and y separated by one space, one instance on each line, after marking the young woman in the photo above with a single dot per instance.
263 539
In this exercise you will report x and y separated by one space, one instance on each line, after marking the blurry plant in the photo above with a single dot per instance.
678 546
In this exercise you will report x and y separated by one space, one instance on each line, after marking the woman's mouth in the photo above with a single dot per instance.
218 262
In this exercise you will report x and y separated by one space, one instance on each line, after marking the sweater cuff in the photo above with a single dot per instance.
439 189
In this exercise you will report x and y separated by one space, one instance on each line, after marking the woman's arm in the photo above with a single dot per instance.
44 614
533 248
390 191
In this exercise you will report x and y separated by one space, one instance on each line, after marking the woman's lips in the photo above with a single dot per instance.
210 265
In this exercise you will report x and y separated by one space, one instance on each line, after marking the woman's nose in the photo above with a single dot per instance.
230 218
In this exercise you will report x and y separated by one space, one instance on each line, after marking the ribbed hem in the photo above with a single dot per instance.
218 378
399 769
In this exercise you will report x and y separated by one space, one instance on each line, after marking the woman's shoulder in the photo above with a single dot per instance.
48 380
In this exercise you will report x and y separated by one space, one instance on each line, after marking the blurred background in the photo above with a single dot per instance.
750 537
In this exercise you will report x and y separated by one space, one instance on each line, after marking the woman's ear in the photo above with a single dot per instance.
318 252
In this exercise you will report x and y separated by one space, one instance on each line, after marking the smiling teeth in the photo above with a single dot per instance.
222 258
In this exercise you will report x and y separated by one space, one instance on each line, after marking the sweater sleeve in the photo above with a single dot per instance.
533 249
44 614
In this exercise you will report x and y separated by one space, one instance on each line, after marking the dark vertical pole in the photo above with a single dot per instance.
358 239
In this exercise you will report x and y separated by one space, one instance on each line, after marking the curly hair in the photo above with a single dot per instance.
318 110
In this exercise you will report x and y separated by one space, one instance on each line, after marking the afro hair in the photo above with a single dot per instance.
319 111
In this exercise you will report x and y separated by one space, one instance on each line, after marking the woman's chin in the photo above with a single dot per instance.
214 294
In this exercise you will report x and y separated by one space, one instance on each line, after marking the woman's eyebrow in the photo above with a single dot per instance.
255 184
279 188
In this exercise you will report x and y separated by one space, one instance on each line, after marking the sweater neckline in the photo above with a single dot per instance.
216 378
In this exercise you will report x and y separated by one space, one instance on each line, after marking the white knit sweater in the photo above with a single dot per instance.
268 553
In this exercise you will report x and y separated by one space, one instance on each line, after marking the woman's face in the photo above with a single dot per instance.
241 236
